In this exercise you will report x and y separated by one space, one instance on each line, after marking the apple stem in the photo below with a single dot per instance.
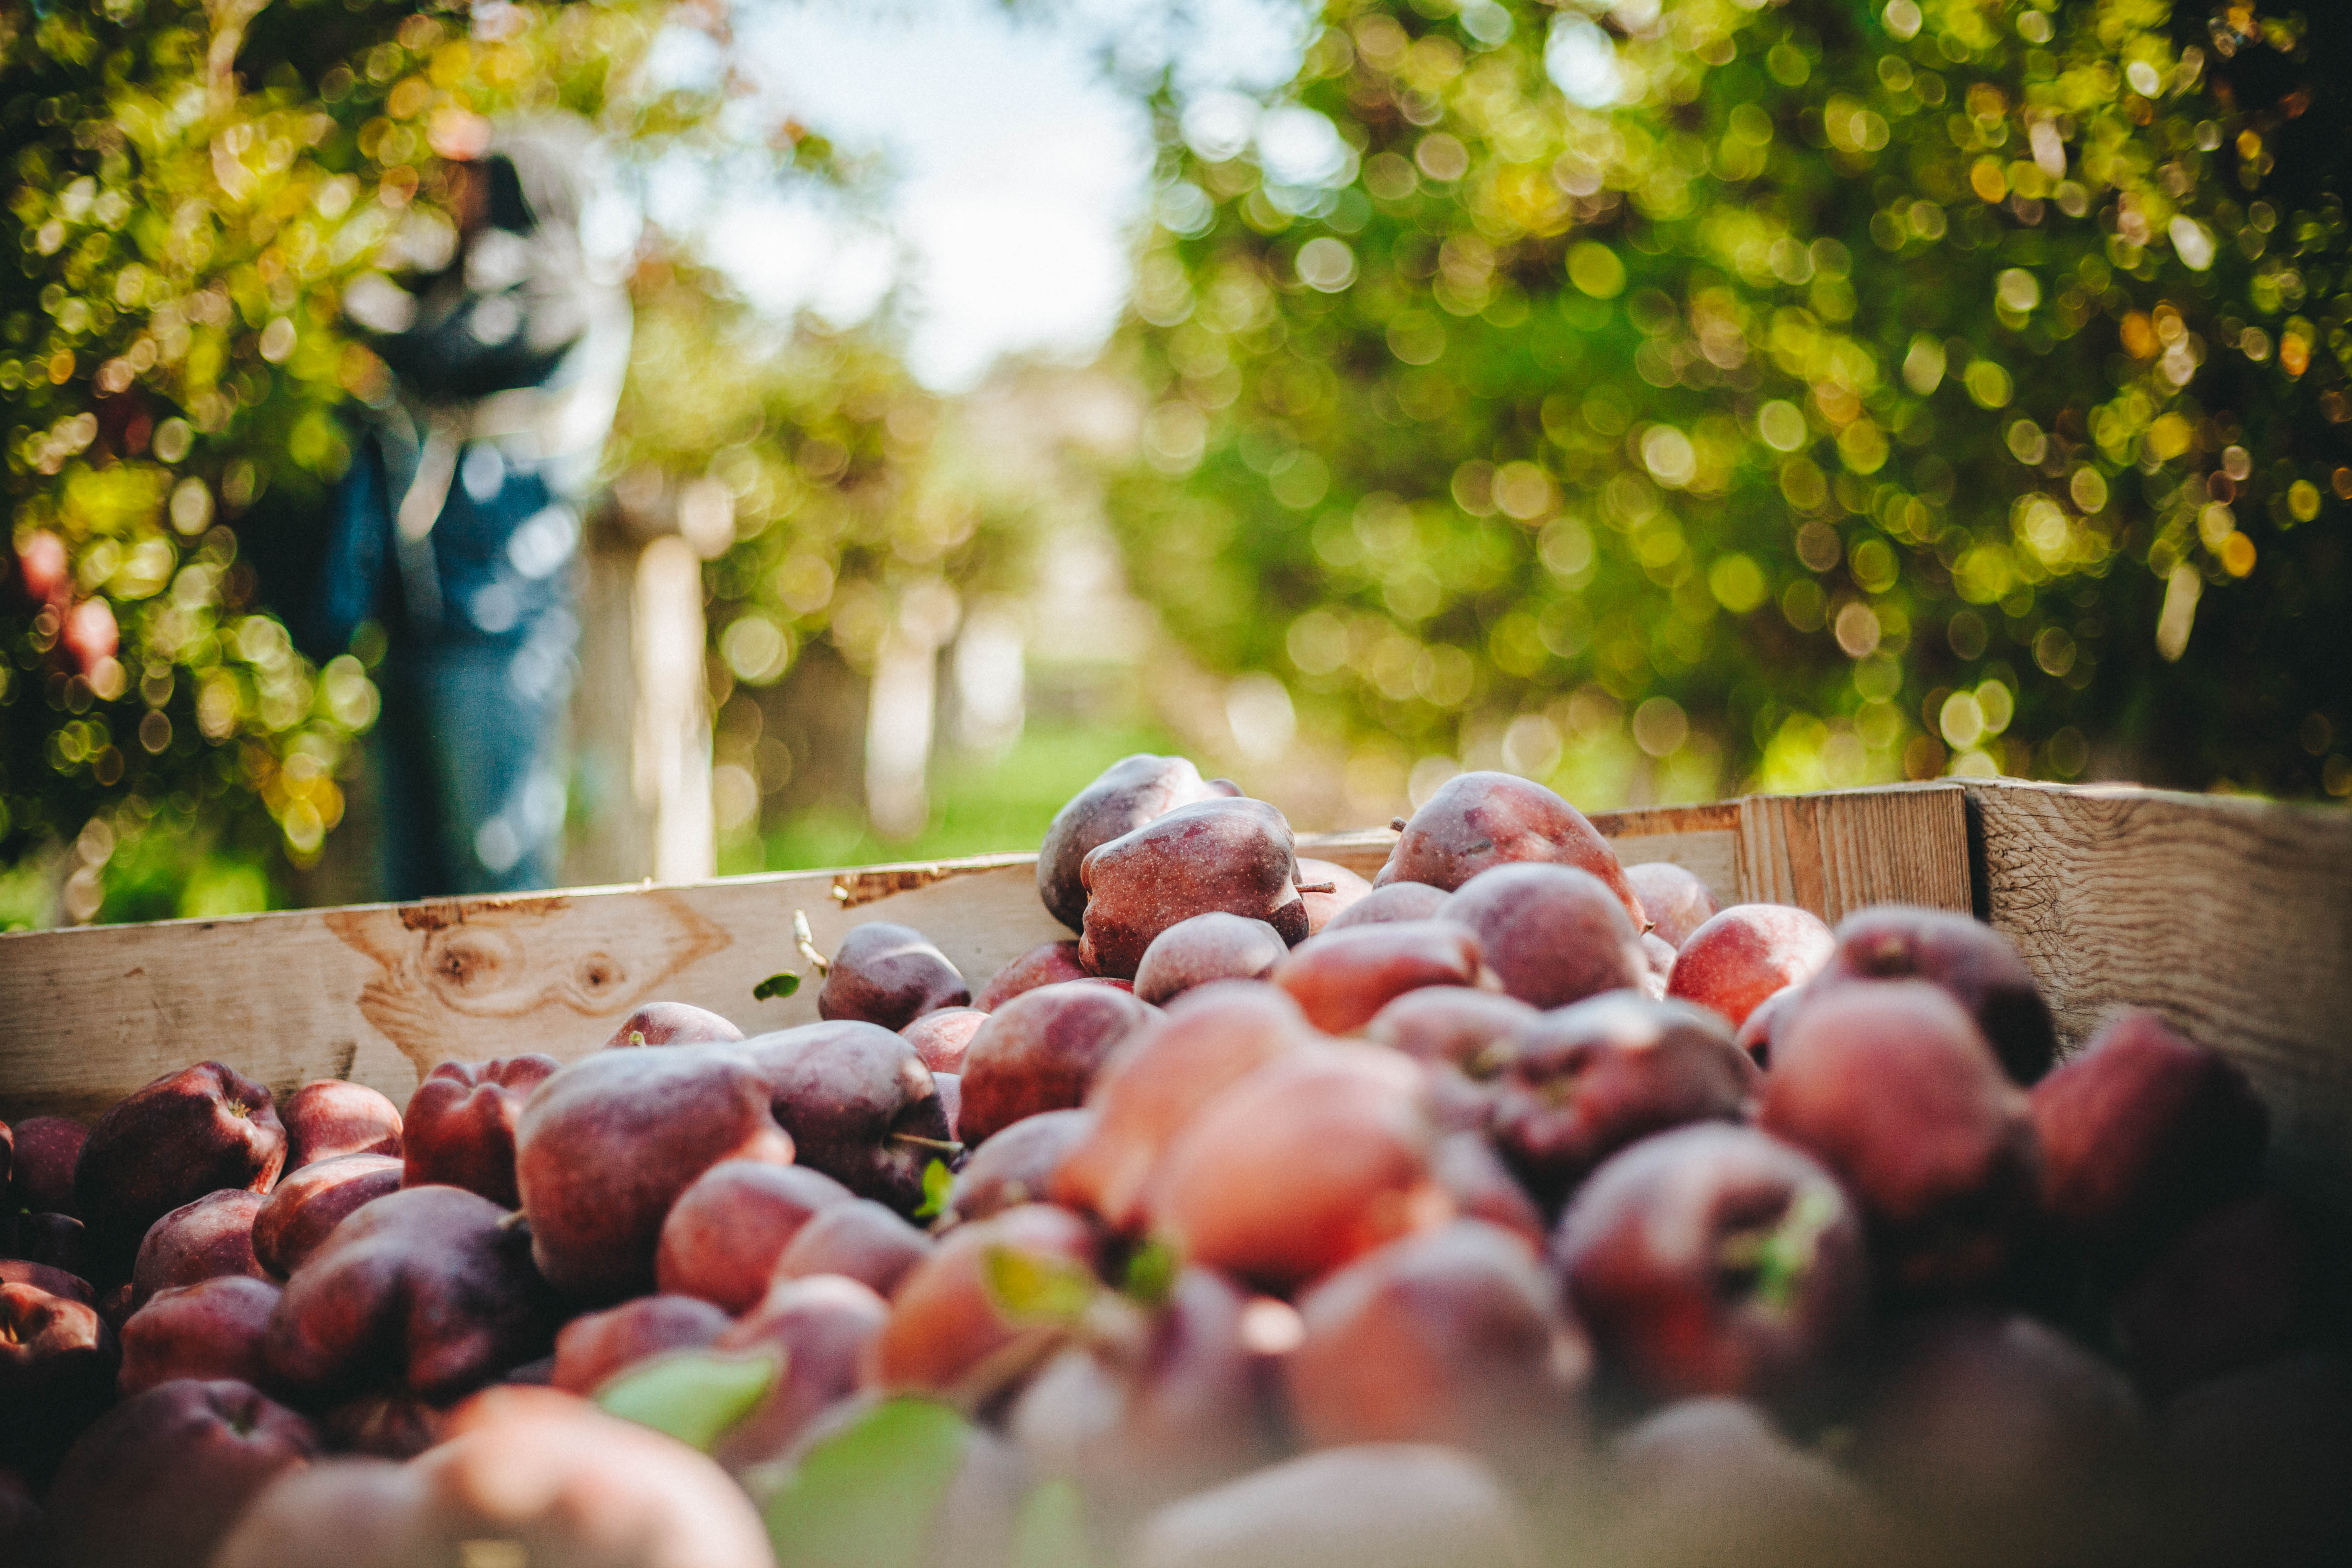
915 1141
806 940
1317 887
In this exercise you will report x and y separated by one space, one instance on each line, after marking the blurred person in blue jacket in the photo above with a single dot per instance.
458 522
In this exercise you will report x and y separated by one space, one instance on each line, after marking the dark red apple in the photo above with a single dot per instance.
1742 956
949 1332
1215 946
593 1347
1129 793
308 1204
1579 1083
1892 1087
1979 966
1674 899
1231 854
942 1039
211 1236
1391 901
1552 934
1330 889
860 1106
1715 1261
331 1117
209 1330
1477 821
41 1179
820 1328
461 1126
57 1360
890 975
1049 964
1451 1023
723 1236
605 1146
673 1024
1341 979
1017 1165
1040 1051
201 1130
429 1290
860 1240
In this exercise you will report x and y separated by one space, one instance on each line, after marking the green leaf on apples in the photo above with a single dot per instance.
937 1183
1151 1273
1029 1288
866 1496
780 984
695 1396
1050 1530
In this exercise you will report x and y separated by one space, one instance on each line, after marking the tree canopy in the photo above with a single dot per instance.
1678 396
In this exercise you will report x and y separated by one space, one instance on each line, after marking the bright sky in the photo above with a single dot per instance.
1017 169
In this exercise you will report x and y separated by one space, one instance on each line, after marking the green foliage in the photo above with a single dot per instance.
866 1497
783 984
191 190
695 1396
1029 1288
939 1185
1835 393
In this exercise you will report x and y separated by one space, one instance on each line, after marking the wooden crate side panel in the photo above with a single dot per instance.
2234 919
1836 853
380 993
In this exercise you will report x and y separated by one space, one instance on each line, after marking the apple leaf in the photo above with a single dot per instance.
1151 1273
866 1497
780 984
1050 1530
937 1183
695 1396
1030 1288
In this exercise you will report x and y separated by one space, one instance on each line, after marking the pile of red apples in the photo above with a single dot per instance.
1516 1207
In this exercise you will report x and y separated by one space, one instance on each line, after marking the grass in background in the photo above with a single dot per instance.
991 805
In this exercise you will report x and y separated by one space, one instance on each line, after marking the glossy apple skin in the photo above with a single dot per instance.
672 1024
1309 1163
1234 854
210 1236
1452 1336
163 1476
822 1326
1552 934
860 1240
591 1347
459 1129
1041 1051
1477 821
1048 963
41 1178
1979 966
1742 956
1674 898
201 1130
2140 1131
1148 1092
307 1205
889 975
947 1334
331 1117
1713 1260
1346 889
1213 946
429 1290
1129 793
1017 1165
942 1039
860 1106
605 1146
57 1361
209 1330
1342 979
721 1239
1891 1085
1452 1024
1579 1083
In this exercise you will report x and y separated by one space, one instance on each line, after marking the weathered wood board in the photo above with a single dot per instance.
2232 918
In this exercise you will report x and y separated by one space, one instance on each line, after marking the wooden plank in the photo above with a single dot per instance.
379 993
2232 918
1843 851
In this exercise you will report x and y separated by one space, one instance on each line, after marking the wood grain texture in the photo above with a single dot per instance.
1847 849
2232 917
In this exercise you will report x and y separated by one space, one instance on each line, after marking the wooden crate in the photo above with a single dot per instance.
2232 917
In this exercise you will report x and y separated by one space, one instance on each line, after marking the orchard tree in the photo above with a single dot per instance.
1678 396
